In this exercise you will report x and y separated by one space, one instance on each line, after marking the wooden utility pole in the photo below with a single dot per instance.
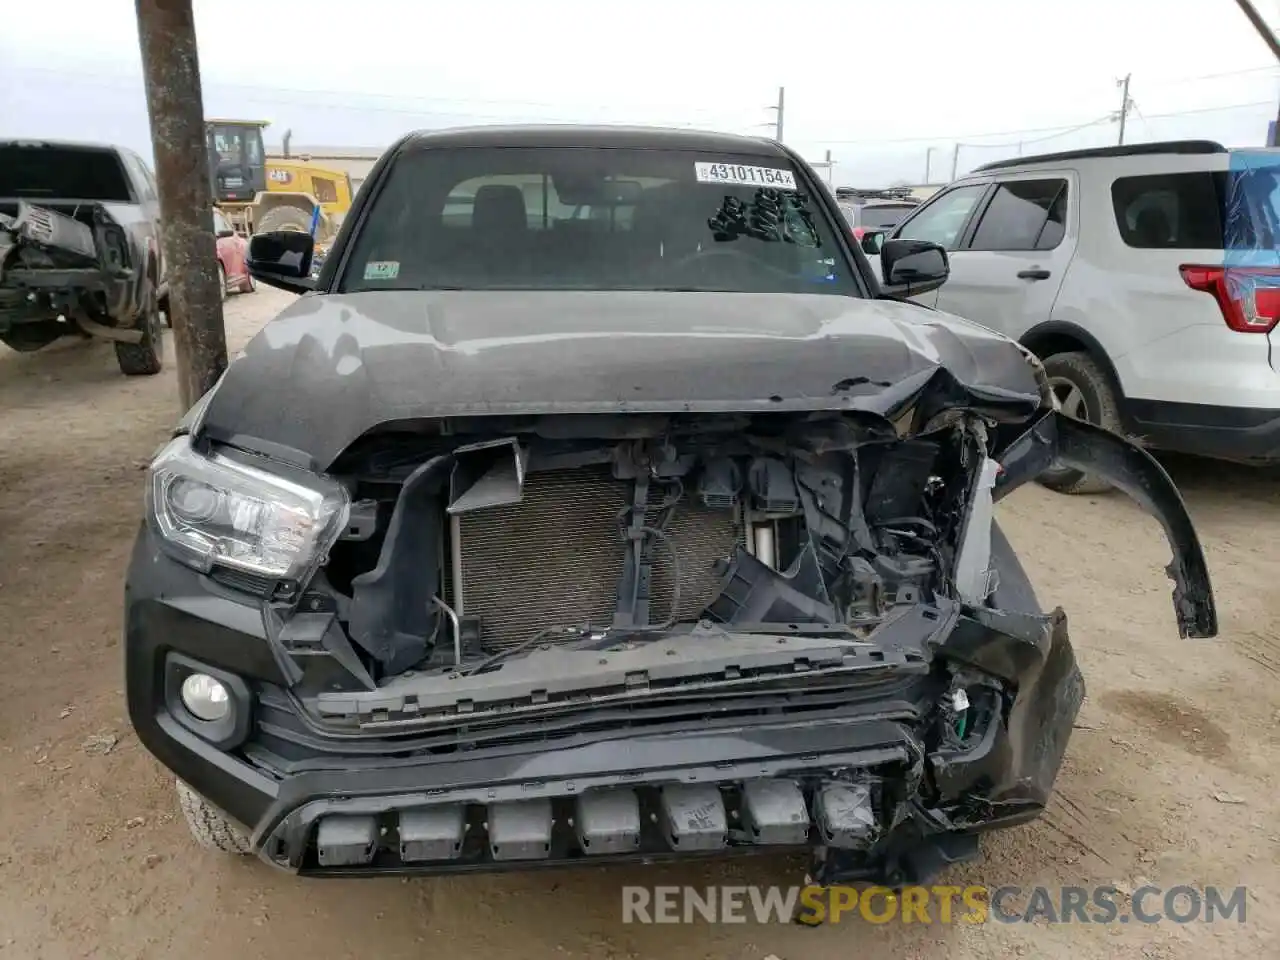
1125 102
167 36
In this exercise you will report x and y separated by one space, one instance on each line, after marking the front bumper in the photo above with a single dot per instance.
36 296
853 755
688 776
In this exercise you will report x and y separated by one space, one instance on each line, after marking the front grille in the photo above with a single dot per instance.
555 558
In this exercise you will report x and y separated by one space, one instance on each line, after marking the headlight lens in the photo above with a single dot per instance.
216 511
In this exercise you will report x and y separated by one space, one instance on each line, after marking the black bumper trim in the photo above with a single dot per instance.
1249 434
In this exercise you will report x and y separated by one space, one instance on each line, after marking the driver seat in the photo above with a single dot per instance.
670 222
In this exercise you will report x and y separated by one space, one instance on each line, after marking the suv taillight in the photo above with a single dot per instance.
1248 296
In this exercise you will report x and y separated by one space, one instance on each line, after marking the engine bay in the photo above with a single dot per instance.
472 541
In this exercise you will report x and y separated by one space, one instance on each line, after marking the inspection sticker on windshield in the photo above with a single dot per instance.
740 174
382 269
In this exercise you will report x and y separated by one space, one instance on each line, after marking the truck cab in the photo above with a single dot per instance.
237 160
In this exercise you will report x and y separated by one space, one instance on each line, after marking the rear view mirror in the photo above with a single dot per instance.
912 267
282 259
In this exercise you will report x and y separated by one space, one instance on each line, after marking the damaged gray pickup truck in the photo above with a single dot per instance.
80 251
598 501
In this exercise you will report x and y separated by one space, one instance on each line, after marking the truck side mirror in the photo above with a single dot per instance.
912 267
282 259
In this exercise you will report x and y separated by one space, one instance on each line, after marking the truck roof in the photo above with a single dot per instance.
48 142
580 135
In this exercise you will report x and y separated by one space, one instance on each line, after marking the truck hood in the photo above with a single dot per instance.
332 367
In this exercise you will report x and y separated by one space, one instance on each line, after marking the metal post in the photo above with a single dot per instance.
1264 31
782 102
1273 42
955 161
831 171
167 36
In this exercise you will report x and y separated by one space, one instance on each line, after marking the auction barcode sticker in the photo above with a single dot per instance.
741 174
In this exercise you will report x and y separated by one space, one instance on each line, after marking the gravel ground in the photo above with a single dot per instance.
1170 777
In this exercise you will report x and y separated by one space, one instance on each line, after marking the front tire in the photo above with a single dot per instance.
146 357
291 219
210 828
1084 391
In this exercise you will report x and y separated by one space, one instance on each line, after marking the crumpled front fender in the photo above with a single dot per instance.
1127 467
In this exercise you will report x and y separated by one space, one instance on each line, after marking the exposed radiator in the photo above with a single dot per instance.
554 559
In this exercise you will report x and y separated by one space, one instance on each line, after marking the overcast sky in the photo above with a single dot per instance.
877 83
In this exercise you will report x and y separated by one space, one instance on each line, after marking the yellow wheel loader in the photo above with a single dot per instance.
259 193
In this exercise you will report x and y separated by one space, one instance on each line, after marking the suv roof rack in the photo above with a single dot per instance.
886 193
1133 150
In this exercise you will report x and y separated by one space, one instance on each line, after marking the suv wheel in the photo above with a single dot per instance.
210 828
146 357
1084 391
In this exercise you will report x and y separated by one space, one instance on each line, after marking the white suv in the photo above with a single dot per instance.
1146 277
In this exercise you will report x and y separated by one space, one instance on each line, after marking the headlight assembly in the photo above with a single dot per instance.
215 511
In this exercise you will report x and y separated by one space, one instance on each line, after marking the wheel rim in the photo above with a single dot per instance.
1071 398
1072 403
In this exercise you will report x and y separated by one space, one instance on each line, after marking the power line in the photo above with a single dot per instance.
1057 131
1178 81
1224 109
1062 132
1145 126
274 94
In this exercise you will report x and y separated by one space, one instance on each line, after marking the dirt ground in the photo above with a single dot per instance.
1170 777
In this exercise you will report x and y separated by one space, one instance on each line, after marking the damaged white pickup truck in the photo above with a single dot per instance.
80 251
598 501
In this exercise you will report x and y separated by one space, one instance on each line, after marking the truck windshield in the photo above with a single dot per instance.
502 218
57 172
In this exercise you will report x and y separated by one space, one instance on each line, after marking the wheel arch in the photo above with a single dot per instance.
270 199
1061 336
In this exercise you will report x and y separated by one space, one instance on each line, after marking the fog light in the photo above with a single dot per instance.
205 697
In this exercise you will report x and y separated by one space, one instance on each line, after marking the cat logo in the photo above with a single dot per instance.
279 176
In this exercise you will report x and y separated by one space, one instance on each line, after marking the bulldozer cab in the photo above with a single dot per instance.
237 160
